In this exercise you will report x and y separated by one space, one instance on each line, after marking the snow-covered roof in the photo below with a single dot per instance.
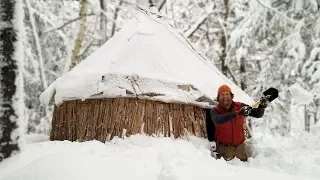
147 58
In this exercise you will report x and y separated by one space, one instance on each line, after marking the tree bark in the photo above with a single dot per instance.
242 73
11 82
151 3
83 19
36 38
103 23
161 5
115 17
38 45
223 56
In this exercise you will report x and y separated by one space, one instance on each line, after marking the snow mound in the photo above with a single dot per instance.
300 95
142 157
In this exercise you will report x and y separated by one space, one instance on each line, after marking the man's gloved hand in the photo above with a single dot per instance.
263 102
245 111
213 149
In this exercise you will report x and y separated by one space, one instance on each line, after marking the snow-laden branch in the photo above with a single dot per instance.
293 35
65 24
139 7
278 12
45 18
52 73
198 23
313 56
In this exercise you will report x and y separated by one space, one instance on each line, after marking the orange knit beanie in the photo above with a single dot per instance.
224 88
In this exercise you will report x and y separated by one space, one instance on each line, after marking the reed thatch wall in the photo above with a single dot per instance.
102 119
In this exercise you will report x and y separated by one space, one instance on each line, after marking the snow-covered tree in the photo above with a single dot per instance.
11 82
280 33
258 43
50 39
45 44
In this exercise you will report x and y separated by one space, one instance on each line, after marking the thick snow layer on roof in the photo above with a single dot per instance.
147 59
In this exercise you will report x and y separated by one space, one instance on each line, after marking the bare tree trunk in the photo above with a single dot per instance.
38 45
83 19
161 5
115 17
306 119
243 86
151 3
169 8
223 56
11 82
103 23
43 79
242 73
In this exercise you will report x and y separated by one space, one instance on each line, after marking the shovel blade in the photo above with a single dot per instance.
271 94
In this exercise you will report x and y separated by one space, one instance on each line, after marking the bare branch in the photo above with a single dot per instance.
44 17
85 48
207 33
94 37
199 22
52 73
65 24
232 75
196 26
101 11
161 4
115 17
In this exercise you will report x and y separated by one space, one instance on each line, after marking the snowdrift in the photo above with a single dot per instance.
142 157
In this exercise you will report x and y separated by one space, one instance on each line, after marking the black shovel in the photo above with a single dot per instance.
270 94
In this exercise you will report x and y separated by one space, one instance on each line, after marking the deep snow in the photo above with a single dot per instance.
141 157
300 95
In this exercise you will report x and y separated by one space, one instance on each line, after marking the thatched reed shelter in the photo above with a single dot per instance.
146 79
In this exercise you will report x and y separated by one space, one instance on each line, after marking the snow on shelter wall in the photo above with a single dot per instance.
146 60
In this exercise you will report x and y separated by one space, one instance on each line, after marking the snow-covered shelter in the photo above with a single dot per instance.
147 78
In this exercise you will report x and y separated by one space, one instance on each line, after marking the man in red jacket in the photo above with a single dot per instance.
229 120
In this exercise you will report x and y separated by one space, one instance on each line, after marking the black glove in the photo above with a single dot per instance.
245 111
263 103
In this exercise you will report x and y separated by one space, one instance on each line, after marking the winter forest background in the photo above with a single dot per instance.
256 43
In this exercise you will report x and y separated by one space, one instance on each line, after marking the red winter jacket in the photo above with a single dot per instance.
231 132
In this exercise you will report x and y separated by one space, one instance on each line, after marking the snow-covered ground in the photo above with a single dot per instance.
141 157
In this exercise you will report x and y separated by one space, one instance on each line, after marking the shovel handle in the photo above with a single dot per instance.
255 105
